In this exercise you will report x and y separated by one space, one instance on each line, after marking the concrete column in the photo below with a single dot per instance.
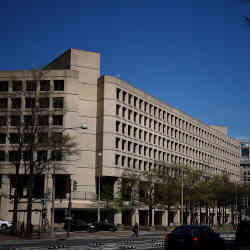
153 217
117 186
177 217
118 218
4 201
165 218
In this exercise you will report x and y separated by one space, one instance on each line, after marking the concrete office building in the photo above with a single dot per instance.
127 129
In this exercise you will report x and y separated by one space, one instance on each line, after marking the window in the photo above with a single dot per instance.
59 85
14 156
118 92
2 138
2 155
28 120
31 85
117 126
30 102
43 137
44 102
118 109
58 102
44 85
29 138
56 155
17 86
42 155
3 103
16 103
117 143
57 120
15 120
14 138
4 86
43 120
3 120
27 155
117 157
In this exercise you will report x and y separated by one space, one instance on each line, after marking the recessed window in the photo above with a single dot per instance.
59 85
4 86
118 92
28 120
14 156
2 155
117 158
27 155
2 138
44 102
45 85
29 138
3 103
42 155
30 102
15 120
58 102
57 120
16 103
56 155
31 85
43 137
14 138
17 86
43 120
3 120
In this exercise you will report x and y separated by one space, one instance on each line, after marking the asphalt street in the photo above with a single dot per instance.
146 240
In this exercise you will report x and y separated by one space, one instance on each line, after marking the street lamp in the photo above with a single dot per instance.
99 188
83 126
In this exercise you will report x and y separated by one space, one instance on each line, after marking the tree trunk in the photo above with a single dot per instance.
16 200
29 204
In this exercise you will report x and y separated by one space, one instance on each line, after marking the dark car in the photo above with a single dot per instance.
79 225
242 235
193 237
104 226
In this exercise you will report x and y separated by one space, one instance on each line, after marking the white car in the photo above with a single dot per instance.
4 224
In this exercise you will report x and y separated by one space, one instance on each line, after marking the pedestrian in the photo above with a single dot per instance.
135 230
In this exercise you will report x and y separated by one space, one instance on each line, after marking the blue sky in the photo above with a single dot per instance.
193 55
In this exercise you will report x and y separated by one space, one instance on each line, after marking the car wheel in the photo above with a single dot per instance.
4 226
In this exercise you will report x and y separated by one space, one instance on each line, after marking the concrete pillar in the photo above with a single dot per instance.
153 217
177 217
135 216
165 218
118 218
117 186
4 201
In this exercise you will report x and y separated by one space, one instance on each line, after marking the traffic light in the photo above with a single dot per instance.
74 185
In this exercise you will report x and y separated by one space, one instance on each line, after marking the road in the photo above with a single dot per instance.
148 241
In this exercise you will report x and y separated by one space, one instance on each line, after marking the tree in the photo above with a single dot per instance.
35 145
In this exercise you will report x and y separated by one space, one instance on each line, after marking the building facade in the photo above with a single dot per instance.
127 130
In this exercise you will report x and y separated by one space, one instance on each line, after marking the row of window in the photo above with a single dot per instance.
139 164
42 155
31 85
30 102
161 141
156 154
161 114
28 120
25 138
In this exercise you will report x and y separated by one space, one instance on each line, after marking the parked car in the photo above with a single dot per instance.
4 224
104 226
79 225
193 237
242 235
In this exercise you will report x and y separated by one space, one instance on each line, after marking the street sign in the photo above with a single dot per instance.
68 218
